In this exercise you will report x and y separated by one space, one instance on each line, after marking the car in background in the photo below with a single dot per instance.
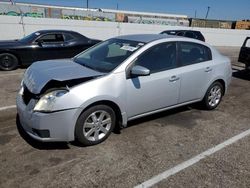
118 80
42 45
186 33
244 56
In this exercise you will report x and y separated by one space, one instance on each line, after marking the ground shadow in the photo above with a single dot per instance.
39 145
242 74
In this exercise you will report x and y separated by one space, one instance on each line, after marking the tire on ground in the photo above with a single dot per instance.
81 129
206 100
8 62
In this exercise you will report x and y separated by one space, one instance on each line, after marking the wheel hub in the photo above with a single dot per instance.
214 96
97 125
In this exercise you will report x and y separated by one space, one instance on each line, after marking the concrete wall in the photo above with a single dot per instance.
12 28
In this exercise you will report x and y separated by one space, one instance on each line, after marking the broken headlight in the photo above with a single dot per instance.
46 103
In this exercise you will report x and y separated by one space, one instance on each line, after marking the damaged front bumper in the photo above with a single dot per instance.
46 127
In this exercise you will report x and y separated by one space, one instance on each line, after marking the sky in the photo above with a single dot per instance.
219 9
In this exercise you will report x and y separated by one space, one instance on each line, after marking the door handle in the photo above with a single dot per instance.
174 78
208 69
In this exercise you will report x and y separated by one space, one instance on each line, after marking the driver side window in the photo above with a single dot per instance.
159 58
51 38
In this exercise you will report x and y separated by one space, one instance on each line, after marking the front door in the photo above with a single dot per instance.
49 46
158 90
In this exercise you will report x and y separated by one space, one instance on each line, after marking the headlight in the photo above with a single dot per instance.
47 102
21 88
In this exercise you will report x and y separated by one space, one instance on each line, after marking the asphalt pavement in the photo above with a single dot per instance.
146 148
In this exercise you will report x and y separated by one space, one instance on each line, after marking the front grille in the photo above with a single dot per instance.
27 95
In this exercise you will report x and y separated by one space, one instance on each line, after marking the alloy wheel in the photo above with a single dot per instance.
214 96
97 125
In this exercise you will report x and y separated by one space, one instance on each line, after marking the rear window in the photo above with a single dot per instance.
192 53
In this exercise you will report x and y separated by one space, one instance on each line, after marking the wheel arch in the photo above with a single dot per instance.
13 53
220 80
223 83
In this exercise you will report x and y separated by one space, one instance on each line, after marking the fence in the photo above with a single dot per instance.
13 27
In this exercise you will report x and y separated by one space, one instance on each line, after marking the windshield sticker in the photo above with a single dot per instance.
37 33
140 44
129 48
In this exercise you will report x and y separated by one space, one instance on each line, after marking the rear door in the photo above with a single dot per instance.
244 56
196 70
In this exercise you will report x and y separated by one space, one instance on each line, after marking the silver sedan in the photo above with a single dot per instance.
85 98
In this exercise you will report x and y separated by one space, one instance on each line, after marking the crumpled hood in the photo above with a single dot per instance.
42 72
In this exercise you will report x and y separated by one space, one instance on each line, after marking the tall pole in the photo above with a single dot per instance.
21 15
208 9
87 4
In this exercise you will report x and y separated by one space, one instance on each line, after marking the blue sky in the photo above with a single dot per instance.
220 9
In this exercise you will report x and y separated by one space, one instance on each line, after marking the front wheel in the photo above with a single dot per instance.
8 62
213 96
95 125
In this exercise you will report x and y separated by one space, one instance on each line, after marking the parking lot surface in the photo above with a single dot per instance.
145 148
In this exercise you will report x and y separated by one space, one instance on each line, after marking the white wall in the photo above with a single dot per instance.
11 28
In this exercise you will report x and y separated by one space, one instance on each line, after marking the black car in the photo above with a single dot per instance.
42 45
186 33
244 56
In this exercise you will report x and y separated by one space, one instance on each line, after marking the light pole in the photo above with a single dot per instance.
208 9
87 4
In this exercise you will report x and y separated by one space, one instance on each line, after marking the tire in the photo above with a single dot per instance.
95 125
247 67
213 96
8 62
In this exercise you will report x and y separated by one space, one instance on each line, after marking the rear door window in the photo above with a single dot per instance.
190 34
192 53
181 33
68 37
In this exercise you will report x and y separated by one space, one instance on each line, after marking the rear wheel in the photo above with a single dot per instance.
8 61
95 125
213 96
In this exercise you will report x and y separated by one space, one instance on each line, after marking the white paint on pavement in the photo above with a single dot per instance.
172 171
7 107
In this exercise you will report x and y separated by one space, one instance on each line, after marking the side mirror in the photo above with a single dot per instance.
139 71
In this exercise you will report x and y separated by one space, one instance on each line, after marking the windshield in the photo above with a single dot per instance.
106 56
30 37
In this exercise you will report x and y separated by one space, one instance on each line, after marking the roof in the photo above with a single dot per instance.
55 30
146 38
